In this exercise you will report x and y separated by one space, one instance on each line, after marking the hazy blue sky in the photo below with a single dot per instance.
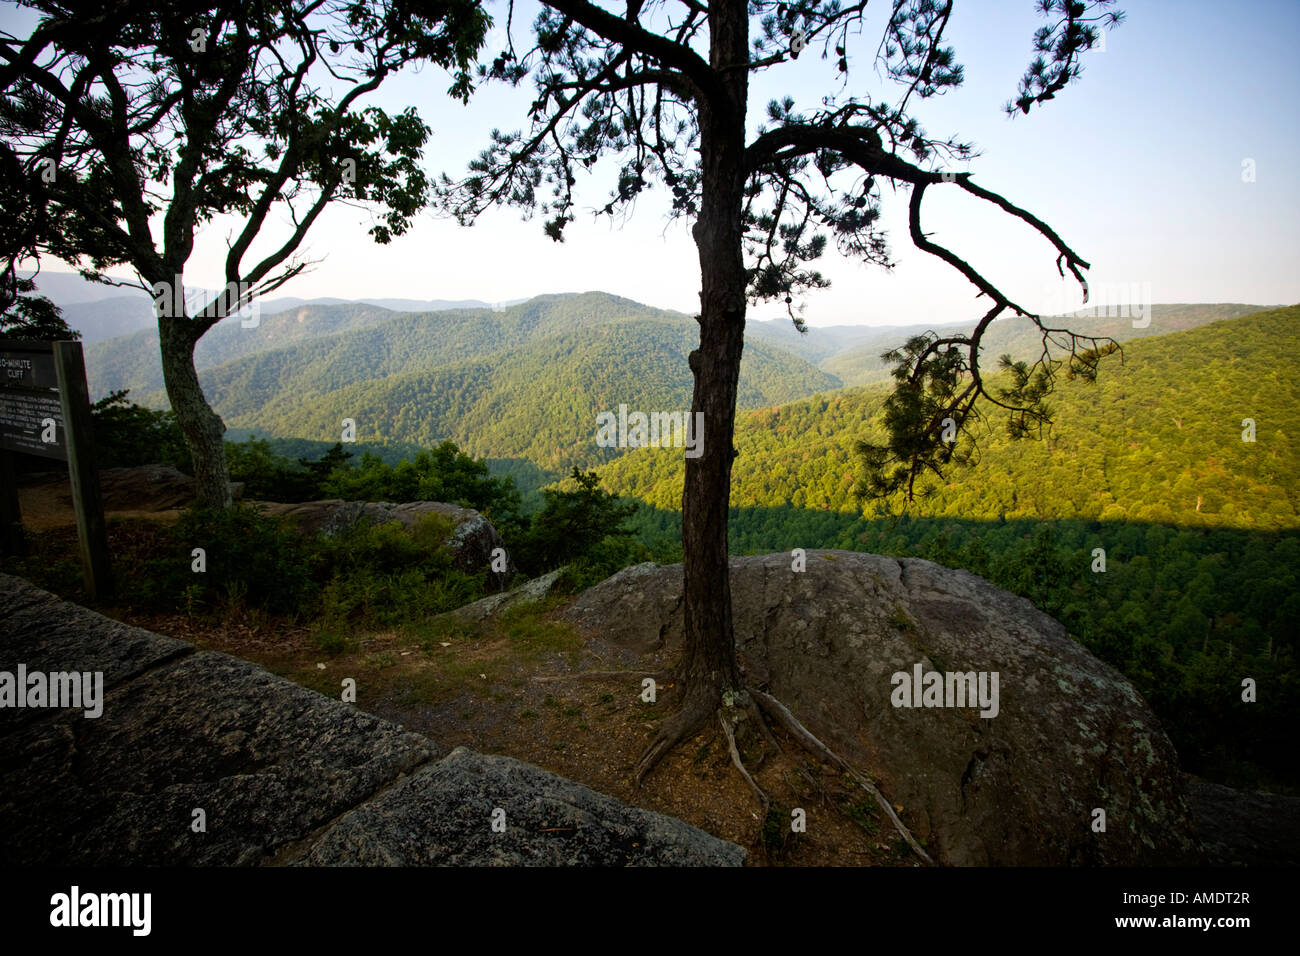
1139 166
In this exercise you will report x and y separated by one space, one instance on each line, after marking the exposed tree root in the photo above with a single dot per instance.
686 723
740 765
779 712
762 726
694 715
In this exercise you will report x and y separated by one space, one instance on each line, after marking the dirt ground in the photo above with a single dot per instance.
528 687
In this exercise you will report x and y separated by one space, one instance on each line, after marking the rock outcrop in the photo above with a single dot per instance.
142 488
280 773
1245 827
472 541
1070 735
481 610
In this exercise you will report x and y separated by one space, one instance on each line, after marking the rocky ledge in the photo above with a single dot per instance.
199 758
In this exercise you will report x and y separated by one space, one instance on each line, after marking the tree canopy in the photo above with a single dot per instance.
125 130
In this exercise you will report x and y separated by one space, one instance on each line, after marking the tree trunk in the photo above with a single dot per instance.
204 430
708 665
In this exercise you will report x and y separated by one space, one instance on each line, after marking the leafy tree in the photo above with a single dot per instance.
665 88
573 523
24 228
328 463
28 317
268 476
444 474
127 434
128 128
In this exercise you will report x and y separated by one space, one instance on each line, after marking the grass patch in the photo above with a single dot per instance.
532 634
864 813
331 640
776 836
443 629
381 661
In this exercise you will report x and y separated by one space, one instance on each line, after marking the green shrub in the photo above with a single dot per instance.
575 525
127 434
388 575
601 560
444 473
251 559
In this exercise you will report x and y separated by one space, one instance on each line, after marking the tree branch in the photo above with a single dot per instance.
700 77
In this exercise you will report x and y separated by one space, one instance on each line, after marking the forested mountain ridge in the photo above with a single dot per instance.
538 401
101 312
132 361
1156 438
430 337
328 339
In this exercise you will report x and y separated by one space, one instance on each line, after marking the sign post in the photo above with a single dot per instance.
45 411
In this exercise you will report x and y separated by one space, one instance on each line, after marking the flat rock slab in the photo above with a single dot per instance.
443 815
278 770
48 634
266 760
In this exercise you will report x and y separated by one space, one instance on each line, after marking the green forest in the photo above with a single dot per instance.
539 401
1157 438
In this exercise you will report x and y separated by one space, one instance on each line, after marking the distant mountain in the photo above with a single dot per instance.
861 364
133 361
538 401
523 383
432 338
101 312
820 342
106 319
69 288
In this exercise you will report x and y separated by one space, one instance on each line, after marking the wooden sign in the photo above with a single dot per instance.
45 411
31 422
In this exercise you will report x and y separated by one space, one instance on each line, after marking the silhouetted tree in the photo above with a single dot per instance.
129 126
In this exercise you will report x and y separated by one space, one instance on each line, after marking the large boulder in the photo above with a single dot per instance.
141 488
472 540
1068 735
